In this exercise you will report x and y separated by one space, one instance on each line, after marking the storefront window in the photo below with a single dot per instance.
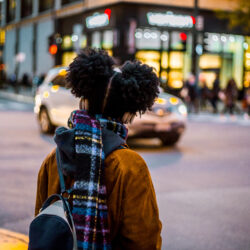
164 60
96 40
176 60
247 62
67 58
209 61
107 39
45 5
152 58
147 39
11 10
175 79
26 6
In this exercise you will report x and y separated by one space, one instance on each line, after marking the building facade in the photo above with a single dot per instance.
159 33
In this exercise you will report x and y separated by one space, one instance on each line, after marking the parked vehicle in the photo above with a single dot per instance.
54 103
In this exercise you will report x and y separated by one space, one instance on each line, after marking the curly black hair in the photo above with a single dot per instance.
133 90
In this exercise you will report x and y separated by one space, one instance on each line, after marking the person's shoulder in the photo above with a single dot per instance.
52 155
49 160
128 161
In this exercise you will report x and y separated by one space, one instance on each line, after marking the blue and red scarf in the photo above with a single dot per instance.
90 212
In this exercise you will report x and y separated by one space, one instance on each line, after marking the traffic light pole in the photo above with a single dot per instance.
195 58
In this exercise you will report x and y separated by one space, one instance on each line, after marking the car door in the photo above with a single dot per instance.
62 101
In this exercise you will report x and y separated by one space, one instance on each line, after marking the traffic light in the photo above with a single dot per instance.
183 37
54 42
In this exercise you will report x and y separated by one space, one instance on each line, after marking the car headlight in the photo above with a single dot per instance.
182 109
173 100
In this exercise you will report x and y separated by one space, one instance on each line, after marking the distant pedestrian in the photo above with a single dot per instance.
192 94
205 94
26 81
231 94
247 98
215 94
113 199
14 83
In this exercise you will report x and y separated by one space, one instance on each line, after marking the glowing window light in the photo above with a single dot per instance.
248 55
97 20
247 63
66 42
170 20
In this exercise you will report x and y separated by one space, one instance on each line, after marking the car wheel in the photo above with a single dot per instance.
46 126
170 140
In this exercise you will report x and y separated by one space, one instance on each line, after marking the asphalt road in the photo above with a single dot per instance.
202 185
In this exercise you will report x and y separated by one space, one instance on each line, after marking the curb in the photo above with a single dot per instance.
13 241
17 97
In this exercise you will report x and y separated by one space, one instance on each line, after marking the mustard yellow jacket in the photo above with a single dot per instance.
132 208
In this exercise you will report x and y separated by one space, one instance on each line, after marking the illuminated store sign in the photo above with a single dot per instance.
97 20
169 19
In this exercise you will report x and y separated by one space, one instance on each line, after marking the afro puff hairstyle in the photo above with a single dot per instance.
133 90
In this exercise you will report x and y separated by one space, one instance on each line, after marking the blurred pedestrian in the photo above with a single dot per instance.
14 83
215 93
205 94
247 98
192 94
231 94
25 81
94 154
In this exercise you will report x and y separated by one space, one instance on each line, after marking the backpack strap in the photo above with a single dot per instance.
122 146
60 173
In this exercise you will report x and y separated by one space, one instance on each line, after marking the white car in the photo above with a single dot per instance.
54 103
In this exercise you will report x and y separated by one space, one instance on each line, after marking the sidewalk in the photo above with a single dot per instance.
12 241
239 119
24 95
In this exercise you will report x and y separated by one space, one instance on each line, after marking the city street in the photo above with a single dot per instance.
202 184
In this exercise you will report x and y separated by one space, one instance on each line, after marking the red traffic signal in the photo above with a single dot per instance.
53 49
183 36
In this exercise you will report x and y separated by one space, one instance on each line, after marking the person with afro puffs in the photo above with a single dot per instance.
112 196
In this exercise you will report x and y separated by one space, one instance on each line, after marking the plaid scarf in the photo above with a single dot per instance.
90 212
